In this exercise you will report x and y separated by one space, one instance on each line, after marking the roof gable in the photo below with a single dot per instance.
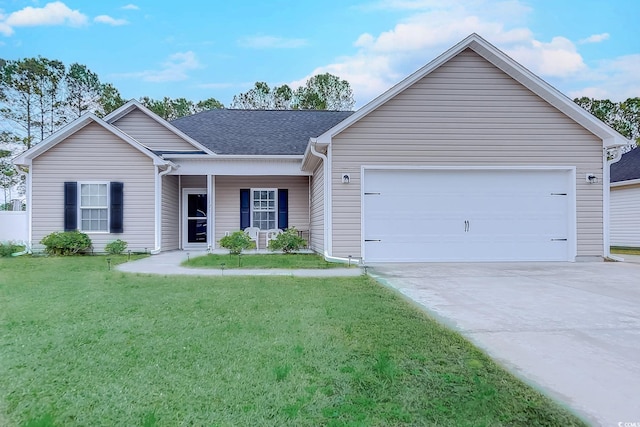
75 126
134 105
516 71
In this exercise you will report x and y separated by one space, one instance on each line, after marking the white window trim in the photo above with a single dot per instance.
108 207
275 204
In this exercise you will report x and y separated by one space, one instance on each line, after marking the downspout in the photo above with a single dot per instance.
326 205
309 213
27 244
606 198
158 216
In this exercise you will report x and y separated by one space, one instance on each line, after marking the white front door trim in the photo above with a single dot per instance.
185 218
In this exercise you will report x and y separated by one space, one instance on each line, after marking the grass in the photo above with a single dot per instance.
625 250
287 261
80 345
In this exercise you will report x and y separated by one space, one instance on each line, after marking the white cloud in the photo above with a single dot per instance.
5 29
55 13
271 42
130 6
595 38
616 79
432 27
175 69
106 19
558 58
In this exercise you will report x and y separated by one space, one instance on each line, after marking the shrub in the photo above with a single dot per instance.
8 248
116 247
236 242
66 243
288 241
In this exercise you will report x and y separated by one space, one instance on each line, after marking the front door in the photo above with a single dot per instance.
195 218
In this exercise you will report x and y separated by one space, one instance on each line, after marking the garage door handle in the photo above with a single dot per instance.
466 226
372 240
558 240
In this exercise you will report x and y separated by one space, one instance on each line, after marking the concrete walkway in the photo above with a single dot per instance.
168 263
633 259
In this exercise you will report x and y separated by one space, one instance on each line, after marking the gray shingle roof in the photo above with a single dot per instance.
258 132
628 167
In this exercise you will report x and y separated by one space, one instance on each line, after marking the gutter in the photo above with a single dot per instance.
615 150
234 156
158 213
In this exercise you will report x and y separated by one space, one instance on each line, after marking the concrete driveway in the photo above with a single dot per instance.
571 329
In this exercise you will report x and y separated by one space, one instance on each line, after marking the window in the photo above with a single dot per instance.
94 207
263 208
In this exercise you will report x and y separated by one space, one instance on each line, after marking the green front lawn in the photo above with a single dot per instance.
288 261
83 346
625 250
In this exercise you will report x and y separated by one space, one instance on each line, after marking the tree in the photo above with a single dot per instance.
171 109
49 77
262 97
9 177
208 104
321 92
324 92
83 90
624 117
18 80
630 111
110 99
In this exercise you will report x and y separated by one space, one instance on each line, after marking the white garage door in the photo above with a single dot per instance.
466 215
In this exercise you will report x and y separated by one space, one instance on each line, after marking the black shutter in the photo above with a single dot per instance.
283 209
245 208
70 206
116 209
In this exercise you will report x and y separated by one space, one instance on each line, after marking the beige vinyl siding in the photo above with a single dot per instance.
467 112
170 213
193 181
95 154
625 216
151 133
317 209
227 194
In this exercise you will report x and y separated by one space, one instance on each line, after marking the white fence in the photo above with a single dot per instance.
13 226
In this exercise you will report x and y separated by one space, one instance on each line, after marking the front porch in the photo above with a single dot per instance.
198 210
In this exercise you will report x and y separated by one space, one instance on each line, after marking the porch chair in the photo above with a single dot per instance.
254 234
272 234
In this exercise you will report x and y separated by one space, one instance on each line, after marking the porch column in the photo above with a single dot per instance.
211 211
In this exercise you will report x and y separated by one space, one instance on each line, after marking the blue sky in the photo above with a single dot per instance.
209 48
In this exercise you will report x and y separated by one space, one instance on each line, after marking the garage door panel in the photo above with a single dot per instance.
462 215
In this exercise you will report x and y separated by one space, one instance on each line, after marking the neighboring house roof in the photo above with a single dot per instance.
516 71
73 127
258 132
627 168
